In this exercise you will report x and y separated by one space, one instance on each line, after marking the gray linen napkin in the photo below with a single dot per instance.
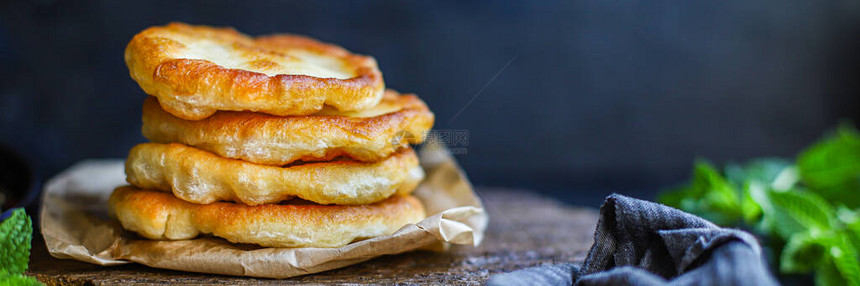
643 243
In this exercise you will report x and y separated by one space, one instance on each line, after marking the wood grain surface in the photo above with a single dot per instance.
525 230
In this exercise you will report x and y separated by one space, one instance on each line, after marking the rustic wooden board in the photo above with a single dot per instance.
525 230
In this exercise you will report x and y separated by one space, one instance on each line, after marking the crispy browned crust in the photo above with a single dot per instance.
201 177
158 215
280 140
177 64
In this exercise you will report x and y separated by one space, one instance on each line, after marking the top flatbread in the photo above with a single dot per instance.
195 71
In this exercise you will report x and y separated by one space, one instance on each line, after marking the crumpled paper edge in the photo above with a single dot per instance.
75 225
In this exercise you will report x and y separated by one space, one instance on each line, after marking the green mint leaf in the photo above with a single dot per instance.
709 195
15 235
17 279
844 256
750 208
831 167
851 222
795 211
802 254
826 274
675 197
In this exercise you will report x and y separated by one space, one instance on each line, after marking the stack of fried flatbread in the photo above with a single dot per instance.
280 141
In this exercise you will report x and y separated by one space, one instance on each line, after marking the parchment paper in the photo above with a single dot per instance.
75 224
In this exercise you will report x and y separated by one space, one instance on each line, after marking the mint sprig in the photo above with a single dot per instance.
16 233
832 167
810 207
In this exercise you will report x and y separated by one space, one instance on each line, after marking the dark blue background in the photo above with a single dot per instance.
601 96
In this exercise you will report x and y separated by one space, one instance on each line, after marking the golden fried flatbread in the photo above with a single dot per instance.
368 135
158 215
201 177
197 70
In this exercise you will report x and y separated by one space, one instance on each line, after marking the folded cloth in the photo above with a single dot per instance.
643 243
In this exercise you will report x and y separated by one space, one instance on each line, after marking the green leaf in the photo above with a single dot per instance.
17 279
831 167
709 195
750 208
15 235
845 257
675 197
851 221
794 212
826 274
802 254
